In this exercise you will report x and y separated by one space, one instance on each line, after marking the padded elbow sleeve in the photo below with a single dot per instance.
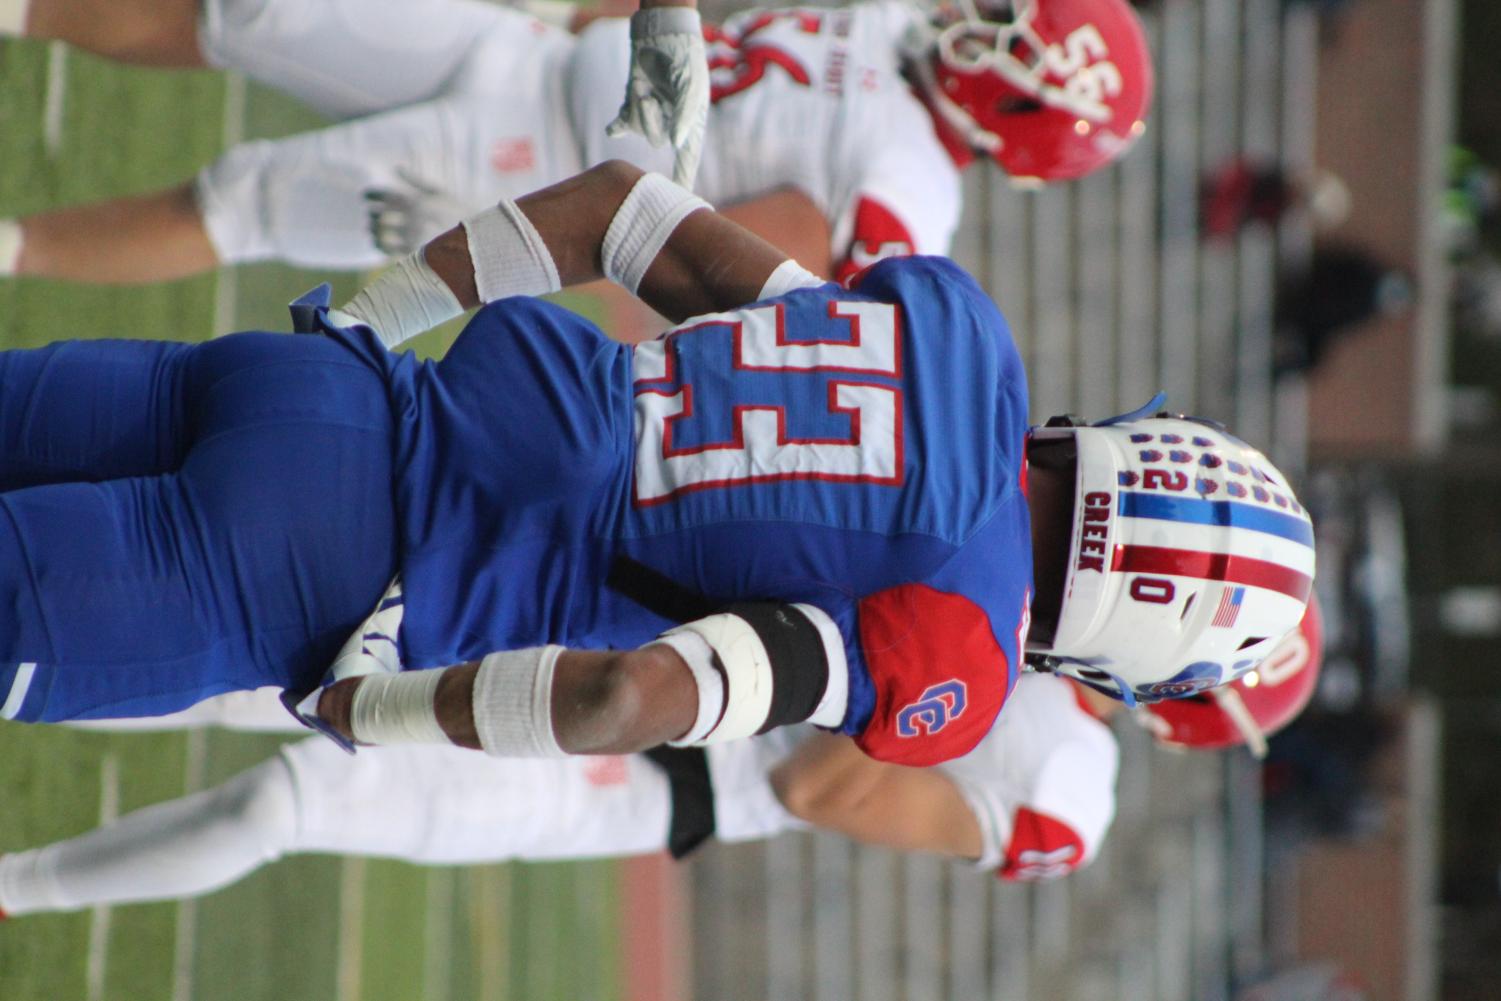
780 663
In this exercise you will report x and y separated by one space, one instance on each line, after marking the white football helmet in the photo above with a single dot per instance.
1190 558
1252 707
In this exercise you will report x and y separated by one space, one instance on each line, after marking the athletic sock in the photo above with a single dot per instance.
10 242
13 16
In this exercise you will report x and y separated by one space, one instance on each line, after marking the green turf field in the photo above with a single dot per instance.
322 928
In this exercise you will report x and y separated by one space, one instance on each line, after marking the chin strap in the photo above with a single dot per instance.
1042 663
1234 707
1154 404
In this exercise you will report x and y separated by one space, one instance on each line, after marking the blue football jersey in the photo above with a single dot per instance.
860 449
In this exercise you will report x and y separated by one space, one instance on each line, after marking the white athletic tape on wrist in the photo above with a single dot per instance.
748 678
831 707
699 656
397 709
509 255
513 703
789 275
642 226
10 245
405 300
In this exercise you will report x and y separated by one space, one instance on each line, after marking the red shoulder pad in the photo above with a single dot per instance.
878 234
1041 848
940 677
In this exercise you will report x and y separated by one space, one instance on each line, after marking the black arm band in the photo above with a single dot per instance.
799 664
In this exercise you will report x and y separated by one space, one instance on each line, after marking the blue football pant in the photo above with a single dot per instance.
182 520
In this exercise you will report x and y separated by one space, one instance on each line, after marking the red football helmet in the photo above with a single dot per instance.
1052 89
1253 706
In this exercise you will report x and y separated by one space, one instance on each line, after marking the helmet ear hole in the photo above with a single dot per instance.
1252 641
1018 104
1022 51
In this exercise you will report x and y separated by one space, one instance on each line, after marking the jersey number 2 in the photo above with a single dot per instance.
761 448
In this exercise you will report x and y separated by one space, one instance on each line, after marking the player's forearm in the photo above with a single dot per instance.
829 783
571 217
740 671
661 243
601 702
708 262
826 776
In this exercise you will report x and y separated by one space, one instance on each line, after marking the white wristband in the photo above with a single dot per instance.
513 703
405 300
642 226
509 255
397 709
699 656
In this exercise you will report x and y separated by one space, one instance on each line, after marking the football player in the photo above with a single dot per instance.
839 134
1033 800
666 88
813 502
433 804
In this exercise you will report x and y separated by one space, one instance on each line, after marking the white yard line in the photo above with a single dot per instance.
99 919
56 99
196 755
437 951
351 929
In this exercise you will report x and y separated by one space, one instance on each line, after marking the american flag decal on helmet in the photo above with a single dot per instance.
1229 607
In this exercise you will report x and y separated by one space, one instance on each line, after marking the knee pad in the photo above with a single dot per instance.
776 664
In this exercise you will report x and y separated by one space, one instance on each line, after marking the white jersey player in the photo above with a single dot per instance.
868 112
810 99
1033 800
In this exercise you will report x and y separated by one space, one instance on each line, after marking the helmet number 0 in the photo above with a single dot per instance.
1082 59
859 368
1153 590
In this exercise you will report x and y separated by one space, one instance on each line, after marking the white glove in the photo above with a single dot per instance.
404 217
372 649
667 92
